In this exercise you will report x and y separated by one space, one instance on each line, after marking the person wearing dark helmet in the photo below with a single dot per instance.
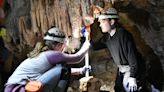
123 51
46 67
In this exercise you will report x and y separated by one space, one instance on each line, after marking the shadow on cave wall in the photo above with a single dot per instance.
155 72
7 63
3 57
138 15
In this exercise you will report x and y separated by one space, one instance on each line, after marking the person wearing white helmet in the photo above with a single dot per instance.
46 67
52 37
54 34
123 50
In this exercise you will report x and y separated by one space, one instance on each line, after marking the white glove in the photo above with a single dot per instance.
132 84
84 69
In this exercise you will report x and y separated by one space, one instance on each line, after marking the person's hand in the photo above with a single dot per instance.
85 33
87 43
132 84
84 69
83 30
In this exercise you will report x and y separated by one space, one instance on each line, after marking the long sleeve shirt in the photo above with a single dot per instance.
122 48
33 68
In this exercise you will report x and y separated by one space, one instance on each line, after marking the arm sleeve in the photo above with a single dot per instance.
77 57
131 53
55 57
99 44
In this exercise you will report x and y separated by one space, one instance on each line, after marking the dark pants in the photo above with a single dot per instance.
118 83
56 79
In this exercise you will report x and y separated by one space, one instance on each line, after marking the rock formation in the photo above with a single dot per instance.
26 22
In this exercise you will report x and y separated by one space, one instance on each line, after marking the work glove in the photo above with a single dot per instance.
84 69
132 84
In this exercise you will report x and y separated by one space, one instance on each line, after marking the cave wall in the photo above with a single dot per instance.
27 20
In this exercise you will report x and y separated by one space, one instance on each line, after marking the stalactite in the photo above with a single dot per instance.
67 15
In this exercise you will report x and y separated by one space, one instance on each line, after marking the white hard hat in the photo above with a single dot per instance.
110 13
54 34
